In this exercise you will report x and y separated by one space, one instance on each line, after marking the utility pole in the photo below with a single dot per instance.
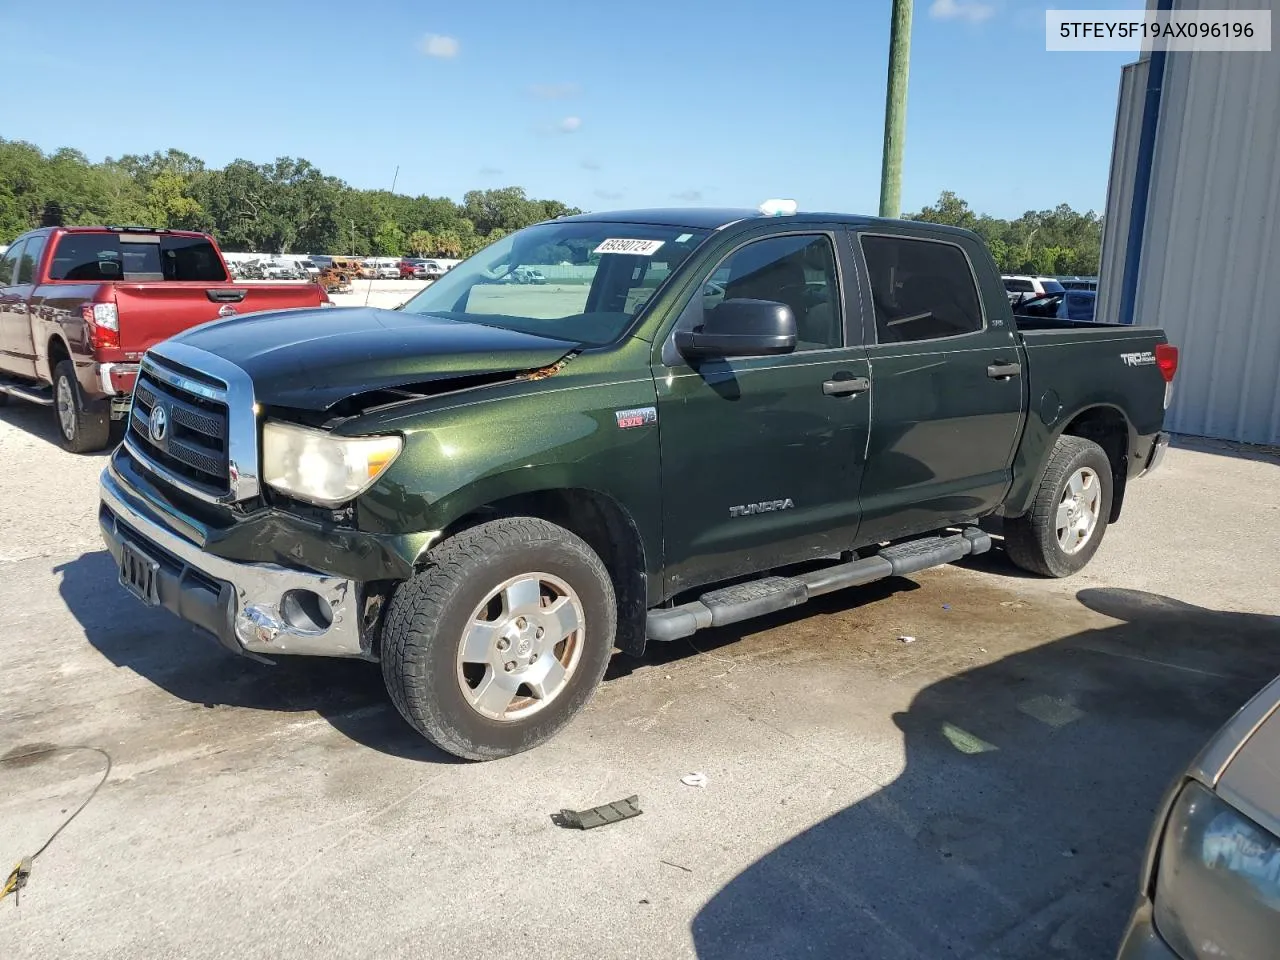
895 109
353 238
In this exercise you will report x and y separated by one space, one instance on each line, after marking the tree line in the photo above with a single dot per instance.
1057 242
288 206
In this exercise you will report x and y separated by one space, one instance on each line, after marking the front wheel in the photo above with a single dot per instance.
1068 518
501 640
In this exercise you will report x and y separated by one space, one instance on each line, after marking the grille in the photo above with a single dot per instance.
193 445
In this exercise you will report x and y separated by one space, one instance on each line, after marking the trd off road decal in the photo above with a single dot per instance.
1142 359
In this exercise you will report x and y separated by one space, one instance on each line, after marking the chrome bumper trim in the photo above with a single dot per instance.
1158 450
106 370
255 621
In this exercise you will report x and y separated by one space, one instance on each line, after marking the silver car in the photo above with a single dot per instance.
1211 879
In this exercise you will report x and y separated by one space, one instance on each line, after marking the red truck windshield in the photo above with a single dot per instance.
135 256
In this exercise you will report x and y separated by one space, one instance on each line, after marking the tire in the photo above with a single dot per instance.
81 428
443 686
1065 525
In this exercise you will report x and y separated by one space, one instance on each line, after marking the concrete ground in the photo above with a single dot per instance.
387 294
984 791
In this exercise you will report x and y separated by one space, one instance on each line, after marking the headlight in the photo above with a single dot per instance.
1218 884
317 466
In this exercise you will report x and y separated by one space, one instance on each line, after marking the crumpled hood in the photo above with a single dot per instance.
312 359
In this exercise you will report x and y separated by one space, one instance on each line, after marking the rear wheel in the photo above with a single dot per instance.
1068 518
82 428
499 643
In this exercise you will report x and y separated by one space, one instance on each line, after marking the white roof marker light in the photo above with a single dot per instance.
778 208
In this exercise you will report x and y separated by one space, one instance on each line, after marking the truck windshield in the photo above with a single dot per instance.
91 257
572 280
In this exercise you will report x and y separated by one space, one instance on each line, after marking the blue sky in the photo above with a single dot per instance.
602 105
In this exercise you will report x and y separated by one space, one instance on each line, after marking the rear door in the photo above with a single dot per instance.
947 385
762 456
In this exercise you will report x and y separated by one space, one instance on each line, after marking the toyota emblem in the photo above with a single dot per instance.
158 426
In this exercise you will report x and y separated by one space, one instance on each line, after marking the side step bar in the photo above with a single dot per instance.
42 396
771 594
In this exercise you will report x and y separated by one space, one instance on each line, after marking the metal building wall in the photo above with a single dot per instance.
1124 150
1211 246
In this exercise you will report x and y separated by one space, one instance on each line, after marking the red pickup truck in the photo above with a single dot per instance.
79 306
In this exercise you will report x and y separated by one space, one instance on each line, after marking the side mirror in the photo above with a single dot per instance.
740 328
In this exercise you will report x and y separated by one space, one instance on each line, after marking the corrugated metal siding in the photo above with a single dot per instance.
1124 152
1212 241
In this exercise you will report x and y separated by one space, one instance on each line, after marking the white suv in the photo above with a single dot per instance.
1021 288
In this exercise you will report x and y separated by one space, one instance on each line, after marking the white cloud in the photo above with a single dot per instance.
555 91
569 124
438 45
971 10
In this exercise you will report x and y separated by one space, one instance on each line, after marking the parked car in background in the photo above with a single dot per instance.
387 271
308 270
279 270
1078 283
420 268
368 269
1024 287
1067 305
525 275
1210 883
80 305
492 486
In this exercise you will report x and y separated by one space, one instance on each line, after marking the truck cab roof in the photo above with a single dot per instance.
717 218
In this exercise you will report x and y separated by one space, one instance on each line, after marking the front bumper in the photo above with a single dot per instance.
257 608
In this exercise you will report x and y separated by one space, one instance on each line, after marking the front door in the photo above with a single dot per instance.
15 324
947 386
762 456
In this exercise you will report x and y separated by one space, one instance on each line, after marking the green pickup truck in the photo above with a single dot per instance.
699 416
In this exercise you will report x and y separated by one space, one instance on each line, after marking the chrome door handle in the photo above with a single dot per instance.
845 386
1003 370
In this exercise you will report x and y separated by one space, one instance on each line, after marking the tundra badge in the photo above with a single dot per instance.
764 506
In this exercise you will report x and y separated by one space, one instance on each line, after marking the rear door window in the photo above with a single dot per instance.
88 257
1019 286
921 289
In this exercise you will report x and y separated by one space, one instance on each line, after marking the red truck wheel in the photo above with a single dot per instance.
81 429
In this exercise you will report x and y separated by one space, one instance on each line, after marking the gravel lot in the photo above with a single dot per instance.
982 792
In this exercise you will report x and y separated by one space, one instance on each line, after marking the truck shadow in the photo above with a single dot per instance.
193 667
1017 826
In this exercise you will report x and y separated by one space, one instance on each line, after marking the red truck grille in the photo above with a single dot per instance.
182 432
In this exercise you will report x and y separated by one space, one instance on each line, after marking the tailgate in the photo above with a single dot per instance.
154 311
